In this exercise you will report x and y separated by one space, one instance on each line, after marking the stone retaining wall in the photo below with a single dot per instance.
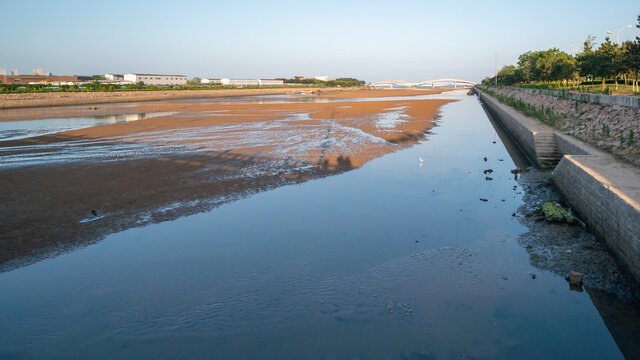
628 101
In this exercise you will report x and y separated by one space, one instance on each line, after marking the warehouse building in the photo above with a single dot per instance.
243 82
40 79
114 77
156 79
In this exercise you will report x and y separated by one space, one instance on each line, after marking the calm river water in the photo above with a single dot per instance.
389 261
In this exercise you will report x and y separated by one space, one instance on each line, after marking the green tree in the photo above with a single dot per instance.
549 65
563 67
631 61
587 61
527 65
508 75
608 61
195 81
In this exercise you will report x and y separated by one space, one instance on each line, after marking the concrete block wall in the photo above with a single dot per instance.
536 142
523 136
613 217
569 146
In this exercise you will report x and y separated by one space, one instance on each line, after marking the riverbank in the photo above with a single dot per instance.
31 100
611 128
603 190
398 259
26 100
202 154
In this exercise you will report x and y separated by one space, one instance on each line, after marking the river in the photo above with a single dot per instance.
397 259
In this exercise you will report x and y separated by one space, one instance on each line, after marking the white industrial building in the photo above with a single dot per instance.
156 79
240 82
211 81
271 82
244 82
114 77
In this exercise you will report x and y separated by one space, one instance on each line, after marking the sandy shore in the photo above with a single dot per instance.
383 92
30 100
203 154
13 101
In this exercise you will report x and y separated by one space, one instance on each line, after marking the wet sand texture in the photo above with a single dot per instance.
27 100
192 161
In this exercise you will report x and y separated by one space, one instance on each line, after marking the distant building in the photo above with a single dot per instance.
156 79
14 72
114 77
321 78
3 71
211 81
240 82
39 79
271 82
248 82
38 71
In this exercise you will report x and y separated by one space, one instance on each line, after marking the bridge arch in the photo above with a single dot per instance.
433 83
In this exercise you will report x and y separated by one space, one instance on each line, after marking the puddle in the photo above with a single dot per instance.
390 120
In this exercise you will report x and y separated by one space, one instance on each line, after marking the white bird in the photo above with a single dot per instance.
421 159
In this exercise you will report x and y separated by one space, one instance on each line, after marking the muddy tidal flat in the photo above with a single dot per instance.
365 224
145 162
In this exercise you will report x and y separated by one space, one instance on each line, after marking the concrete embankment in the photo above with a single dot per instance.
602 189
24 100
600 122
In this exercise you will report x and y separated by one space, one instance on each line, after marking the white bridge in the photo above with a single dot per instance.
432 83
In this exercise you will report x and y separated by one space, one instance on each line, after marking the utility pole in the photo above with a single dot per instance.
496 67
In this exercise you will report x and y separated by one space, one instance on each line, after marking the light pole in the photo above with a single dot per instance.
618 33
574 48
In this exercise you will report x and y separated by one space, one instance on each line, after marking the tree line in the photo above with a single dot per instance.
608 61
341 82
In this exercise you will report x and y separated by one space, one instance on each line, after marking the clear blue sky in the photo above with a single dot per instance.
371 40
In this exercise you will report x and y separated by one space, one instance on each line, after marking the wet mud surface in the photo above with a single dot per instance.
192 158
562 248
